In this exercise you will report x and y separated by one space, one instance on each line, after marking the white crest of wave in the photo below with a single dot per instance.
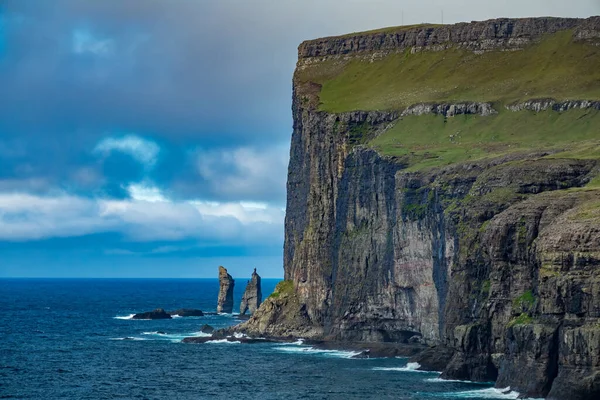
239 335
130 316
154 333
312 350
199 334
488 393
223 341
440 380
298 342
128 338
409 367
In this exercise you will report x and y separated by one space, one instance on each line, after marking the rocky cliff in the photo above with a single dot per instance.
463 213
252 295
225 299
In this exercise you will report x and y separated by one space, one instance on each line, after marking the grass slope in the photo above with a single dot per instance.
432 141
555 67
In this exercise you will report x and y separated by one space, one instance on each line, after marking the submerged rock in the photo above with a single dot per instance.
159 313
207 329
187 312
225 300
252 296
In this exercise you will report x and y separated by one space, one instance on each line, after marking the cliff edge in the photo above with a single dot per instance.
444 183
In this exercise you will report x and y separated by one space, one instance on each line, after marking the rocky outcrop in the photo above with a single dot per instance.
451 110
503 33
493 263
225 299
539 105
252 295
187 312
159 313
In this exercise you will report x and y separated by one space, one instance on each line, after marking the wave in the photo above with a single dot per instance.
312 350
298 342
488 393
173 337
128 338
130 316
223 341
440 380
409 367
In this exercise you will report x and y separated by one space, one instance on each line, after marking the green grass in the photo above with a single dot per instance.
527 299
283 287
556 67
432 141
522 319
391 29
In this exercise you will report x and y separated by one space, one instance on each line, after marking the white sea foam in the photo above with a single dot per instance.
312 350
410 367
239 335
298 342
488 393
128 338
199 334
175 316
440 380
222 341
154 333
130 316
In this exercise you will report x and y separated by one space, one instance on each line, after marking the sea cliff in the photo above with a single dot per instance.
444 187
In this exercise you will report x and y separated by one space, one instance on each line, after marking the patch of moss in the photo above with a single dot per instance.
485 287
524 301
522 319
283 287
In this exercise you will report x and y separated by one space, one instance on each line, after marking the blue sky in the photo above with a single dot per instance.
144 138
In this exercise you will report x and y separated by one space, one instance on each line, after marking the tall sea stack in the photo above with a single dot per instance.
226 283
252 296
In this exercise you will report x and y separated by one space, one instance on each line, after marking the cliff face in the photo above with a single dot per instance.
494 257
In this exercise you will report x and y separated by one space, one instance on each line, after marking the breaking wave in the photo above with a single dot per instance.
410 367
312 350
130 316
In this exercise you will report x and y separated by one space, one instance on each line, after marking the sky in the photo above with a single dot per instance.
146 138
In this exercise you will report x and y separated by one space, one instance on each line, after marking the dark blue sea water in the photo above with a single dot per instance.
63 339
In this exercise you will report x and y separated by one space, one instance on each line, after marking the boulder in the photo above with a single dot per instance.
159 313
187 312
207 329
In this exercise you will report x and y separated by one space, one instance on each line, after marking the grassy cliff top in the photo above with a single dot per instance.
557 66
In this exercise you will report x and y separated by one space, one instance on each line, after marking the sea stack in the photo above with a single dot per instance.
226 282
252 296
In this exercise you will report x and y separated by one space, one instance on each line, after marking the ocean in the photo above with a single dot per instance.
73 339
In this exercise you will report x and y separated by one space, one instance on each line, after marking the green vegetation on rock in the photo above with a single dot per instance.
428 141
556 67
524 301
283 288
522 319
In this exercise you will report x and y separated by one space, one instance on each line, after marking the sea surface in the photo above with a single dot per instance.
73 339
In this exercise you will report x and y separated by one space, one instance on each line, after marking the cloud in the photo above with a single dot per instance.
143 150
245 173
149 216
85 43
